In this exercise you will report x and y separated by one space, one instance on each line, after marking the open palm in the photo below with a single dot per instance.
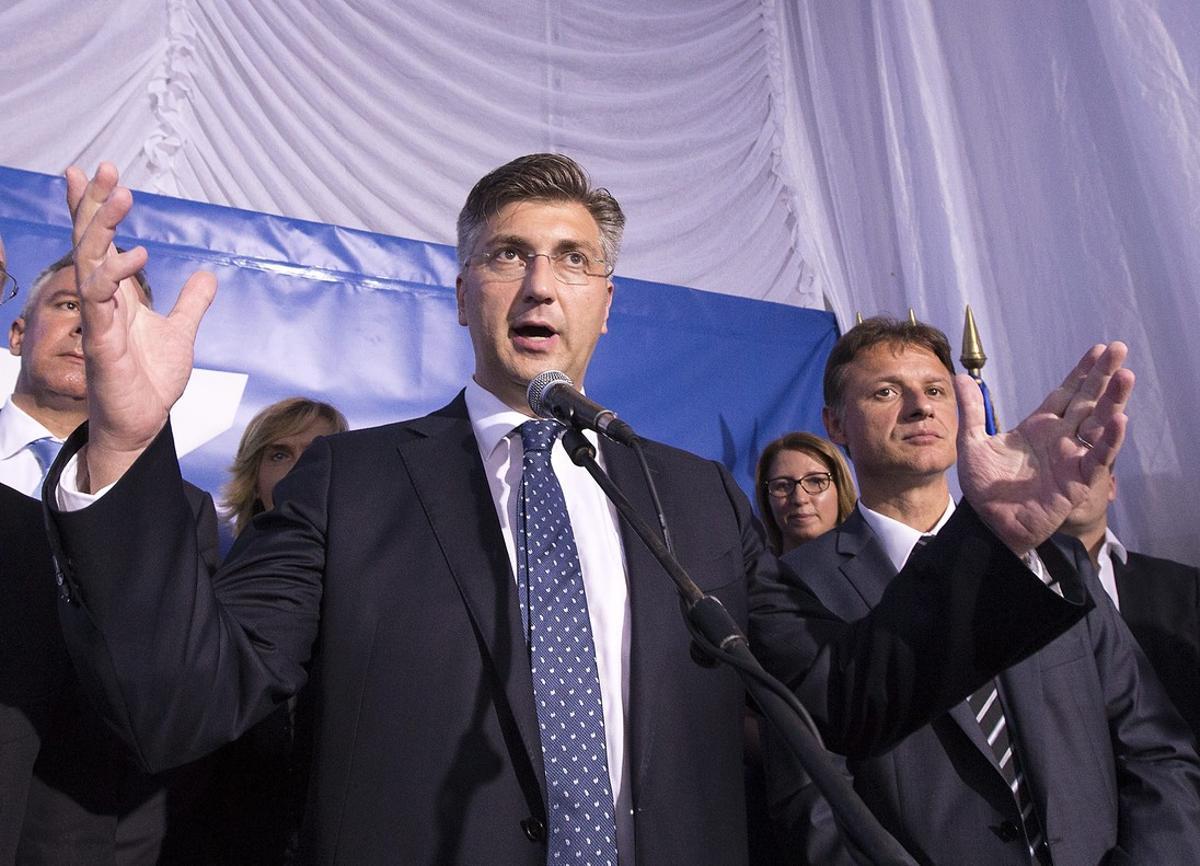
138 362
1025 482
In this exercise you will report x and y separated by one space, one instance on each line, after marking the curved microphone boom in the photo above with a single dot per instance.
553 395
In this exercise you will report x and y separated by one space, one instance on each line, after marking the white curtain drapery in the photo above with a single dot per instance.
1040 161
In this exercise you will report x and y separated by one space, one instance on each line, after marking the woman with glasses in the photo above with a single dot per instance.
803 489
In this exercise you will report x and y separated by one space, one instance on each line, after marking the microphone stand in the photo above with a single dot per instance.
716 632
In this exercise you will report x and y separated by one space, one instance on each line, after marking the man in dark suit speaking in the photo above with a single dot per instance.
499 669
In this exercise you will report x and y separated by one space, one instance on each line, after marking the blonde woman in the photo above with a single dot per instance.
271 444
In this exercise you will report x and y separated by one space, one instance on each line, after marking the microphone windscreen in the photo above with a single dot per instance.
539 386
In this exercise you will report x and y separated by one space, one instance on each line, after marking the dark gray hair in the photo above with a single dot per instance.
68 261
549 177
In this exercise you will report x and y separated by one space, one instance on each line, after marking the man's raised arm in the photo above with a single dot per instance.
138 362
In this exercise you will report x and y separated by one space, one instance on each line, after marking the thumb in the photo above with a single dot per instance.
972 419
194 300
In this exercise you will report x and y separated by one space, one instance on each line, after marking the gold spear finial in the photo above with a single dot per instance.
858 319
972 356
912 317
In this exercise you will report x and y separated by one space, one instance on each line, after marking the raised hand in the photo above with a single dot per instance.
137 361
1025 482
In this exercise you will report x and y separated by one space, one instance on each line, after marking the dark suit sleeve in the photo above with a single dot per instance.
804 822
177 662
1157 770
962 610
208 539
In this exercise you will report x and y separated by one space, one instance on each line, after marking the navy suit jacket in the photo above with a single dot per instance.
1160 602
69 790
382 573
1108 761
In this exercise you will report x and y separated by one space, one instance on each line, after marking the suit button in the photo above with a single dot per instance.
535 830
1008 831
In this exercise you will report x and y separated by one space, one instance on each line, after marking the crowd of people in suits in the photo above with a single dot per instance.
424 630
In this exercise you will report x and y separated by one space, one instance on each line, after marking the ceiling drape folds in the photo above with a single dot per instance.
1040 161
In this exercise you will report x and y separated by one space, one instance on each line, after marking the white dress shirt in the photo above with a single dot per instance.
19 469
1112 547
601 559
899 539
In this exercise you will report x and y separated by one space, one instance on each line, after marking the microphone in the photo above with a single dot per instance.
553 395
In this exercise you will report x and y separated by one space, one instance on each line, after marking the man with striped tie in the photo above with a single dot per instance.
1072 756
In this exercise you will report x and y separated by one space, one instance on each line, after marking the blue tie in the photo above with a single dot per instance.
566 687
44 451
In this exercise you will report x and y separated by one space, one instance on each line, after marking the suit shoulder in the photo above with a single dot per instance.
386 435
669 455
820 549
368 437
822 546
1165 568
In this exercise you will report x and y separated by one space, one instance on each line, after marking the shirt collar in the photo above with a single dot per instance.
899 539
492 419
17 429
1115 548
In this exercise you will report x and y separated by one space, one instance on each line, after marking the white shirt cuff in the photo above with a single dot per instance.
1034 563
68 495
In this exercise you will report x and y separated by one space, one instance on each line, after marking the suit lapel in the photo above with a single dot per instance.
654 611
865 565
447 473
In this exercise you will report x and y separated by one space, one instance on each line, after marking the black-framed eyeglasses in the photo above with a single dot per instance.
571 266
812 484
8 285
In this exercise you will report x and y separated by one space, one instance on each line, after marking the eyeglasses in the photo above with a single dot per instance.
8 285
812 484
571 266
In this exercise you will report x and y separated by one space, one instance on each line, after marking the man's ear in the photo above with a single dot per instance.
16 335
833 425
459 292
607 308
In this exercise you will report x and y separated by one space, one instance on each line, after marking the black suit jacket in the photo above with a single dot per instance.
1160 601
69 790
426 745
34 669
1107 760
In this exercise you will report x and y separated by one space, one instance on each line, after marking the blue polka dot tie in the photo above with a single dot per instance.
566 687
45 450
